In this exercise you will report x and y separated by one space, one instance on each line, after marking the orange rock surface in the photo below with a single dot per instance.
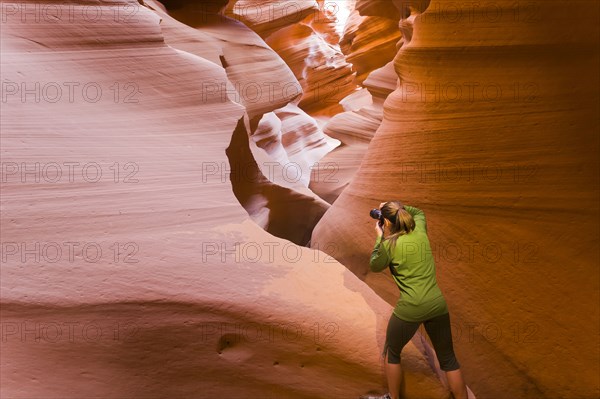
493 132
369 42
273 166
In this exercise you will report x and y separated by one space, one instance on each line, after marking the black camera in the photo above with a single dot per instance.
376 214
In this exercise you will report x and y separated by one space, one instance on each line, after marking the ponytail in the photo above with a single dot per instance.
402 221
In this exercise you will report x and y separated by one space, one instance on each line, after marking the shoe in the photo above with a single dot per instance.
386 396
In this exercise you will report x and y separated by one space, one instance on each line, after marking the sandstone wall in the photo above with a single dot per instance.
493 132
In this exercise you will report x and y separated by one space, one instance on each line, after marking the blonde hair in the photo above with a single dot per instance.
402 221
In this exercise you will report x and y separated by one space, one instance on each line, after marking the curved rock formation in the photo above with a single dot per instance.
384 8
354 128
364 109
305 35
263 83
369 42
262 80
268 16
320 67
330 19
294 140
493 132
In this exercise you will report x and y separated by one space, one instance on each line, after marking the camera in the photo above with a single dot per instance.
376 214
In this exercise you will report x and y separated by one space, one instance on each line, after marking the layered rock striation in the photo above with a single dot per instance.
493 132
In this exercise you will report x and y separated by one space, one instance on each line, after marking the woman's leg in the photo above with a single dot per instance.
399 332
440 333
457 384
393 372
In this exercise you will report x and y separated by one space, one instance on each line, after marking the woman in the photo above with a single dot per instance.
406 251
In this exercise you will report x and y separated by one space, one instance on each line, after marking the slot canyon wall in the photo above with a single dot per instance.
156 242
493 132
137 255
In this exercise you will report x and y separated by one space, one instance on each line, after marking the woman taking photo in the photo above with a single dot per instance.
403 246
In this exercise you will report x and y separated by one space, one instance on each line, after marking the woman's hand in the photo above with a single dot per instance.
378 229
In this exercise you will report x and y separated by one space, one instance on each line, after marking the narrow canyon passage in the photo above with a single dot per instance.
186 192
298 158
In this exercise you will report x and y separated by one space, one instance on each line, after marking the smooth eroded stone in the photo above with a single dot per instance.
493 132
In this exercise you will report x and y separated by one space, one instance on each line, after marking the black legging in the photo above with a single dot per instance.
399 332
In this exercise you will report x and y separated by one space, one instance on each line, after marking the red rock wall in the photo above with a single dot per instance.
369 42
493 132
273 165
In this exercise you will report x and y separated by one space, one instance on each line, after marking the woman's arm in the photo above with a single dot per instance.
418 216
379 256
